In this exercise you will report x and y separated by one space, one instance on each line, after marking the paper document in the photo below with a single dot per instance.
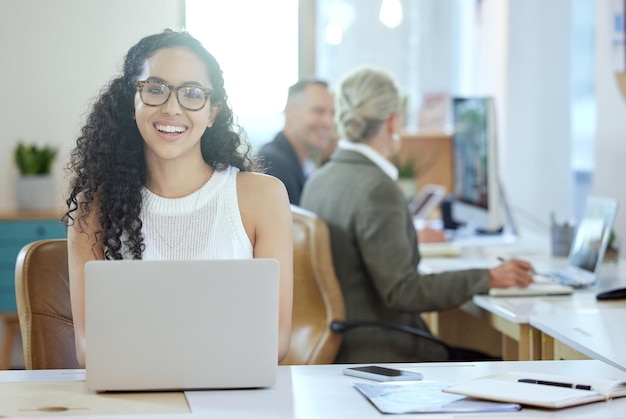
425 397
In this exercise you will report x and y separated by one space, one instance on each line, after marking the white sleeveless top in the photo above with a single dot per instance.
203 225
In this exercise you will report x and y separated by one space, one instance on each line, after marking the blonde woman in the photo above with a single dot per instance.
374 243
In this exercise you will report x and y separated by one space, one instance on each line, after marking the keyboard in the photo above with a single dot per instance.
559 278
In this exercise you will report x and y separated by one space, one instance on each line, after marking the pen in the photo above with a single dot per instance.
501 259
532 272
555 383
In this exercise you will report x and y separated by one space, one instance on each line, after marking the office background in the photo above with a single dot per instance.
56 55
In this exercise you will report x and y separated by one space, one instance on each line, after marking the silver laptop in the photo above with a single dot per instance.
589 244
181 325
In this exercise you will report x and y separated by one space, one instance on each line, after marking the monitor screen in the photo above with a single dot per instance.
471 151
476 183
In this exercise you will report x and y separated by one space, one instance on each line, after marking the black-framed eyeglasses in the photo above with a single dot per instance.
155 93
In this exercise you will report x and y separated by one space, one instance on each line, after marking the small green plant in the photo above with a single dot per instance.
406 169
405 102
34 160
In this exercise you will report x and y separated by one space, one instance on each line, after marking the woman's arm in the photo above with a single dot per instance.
82 246
266 215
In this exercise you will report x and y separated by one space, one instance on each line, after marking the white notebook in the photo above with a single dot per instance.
541 286
544 390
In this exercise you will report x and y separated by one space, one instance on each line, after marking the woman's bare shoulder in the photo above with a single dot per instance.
255 184
262 199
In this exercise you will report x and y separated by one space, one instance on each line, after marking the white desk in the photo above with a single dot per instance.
595 329
510 316
308 392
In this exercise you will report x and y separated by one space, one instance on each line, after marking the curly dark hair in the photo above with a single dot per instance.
108 161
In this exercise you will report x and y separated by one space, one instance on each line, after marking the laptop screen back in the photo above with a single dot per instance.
592 235
173 325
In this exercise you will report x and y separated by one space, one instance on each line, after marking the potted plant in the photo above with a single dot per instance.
406 176
35 187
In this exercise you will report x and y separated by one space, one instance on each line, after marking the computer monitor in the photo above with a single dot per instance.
476 186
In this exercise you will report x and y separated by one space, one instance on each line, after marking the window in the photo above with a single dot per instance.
411 40
258 52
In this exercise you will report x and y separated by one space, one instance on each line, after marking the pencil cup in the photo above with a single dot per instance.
561 236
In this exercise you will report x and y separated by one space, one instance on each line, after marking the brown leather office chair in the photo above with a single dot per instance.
43 305
317 298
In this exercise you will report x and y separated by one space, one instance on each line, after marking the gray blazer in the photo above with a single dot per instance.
375 251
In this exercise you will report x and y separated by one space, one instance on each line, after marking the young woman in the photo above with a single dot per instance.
160 172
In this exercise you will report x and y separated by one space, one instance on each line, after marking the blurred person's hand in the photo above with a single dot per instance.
430 235
511 273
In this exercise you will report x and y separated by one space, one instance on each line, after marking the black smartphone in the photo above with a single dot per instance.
374 372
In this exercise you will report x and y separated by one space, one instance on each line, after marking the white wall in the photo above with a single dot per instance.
610 150
56 56
522 58
537 165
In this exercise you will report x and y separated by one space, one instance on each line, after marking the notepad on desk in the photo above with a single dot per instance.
536 288
543 390
438 250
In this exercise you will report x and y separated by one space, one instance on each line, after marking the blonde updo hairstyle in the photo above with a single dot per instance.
367 97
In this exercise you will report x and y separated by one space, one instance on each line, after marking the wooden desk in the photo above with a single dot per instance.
36 393
301 392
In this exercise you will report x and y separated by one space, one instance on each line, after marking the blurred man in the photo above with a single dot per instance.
308 130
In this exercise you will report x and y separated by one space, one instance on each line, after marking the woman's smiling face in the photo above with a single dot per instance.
169 130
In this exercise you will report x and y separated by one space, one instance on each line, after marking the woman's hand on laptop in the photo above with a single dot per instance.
511 273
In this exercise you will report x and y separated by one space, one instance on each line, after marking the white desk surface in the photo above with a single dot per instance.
604 344
307 392
520 309
596 330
